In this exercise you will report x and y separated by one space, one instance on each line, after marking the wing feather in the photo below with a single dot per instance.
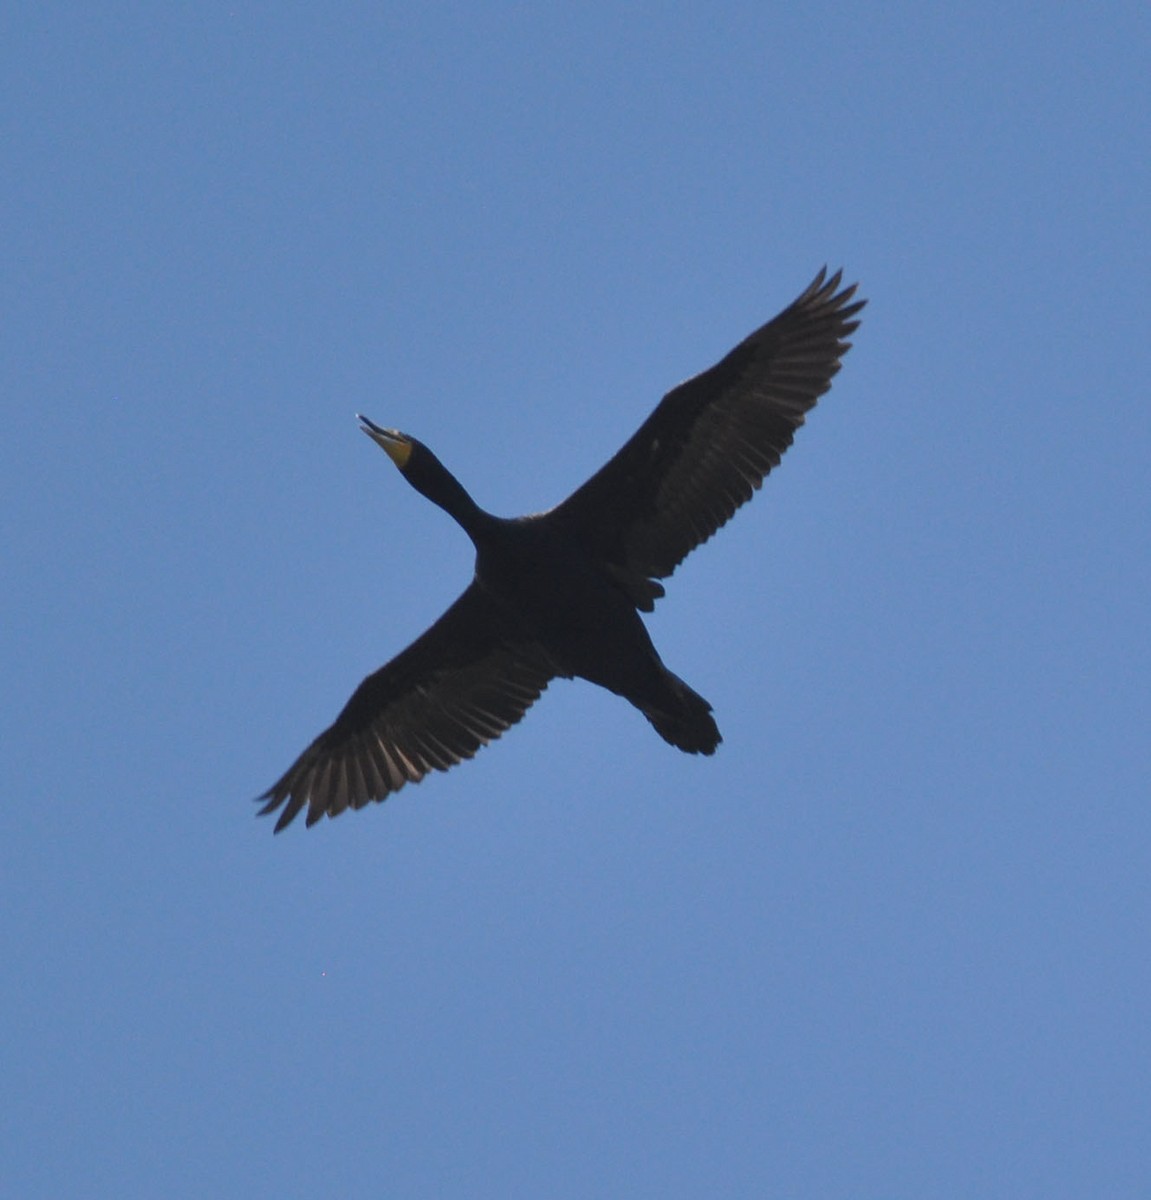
460 685
711 441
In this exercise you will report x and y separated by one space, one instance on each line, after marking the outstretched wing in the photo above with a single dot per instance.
711 441
454 689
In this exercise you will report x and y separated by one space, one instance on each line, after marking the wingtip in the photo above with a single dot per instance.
823 288
826 290
271 801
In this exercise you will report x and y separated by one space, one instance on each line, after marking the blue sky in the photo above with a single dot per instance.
892 940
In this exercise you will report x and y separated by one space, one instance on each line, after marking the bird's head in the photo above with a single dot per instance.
420 467
398 445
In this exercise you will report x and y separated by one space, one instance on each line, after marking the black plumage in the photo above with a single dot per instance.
558 594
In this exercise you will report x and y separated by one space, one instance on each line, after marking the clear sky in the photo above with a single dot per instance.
893 939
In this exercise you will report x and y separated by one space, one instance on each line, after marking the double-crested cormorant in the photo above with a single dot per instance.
558 594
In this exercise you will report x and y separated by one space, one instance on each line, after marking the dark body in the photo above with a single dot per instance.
587 625
559 594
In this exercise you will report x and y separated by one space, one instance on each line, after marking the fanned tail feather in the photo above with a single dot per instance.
689 726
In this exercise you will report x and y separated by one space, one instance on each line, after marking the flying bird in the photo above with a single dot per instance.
558 594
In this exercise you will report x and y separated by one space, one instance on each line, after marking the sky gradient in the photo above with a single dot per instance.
892 940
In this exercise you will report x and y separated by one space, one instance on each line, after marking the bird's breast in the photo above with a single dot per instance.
560 597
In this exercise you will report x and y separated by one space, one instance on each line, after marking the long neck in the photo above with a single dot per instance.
441 487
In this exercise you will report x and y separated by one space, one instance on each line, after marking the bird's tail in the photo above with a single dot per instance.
686 722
